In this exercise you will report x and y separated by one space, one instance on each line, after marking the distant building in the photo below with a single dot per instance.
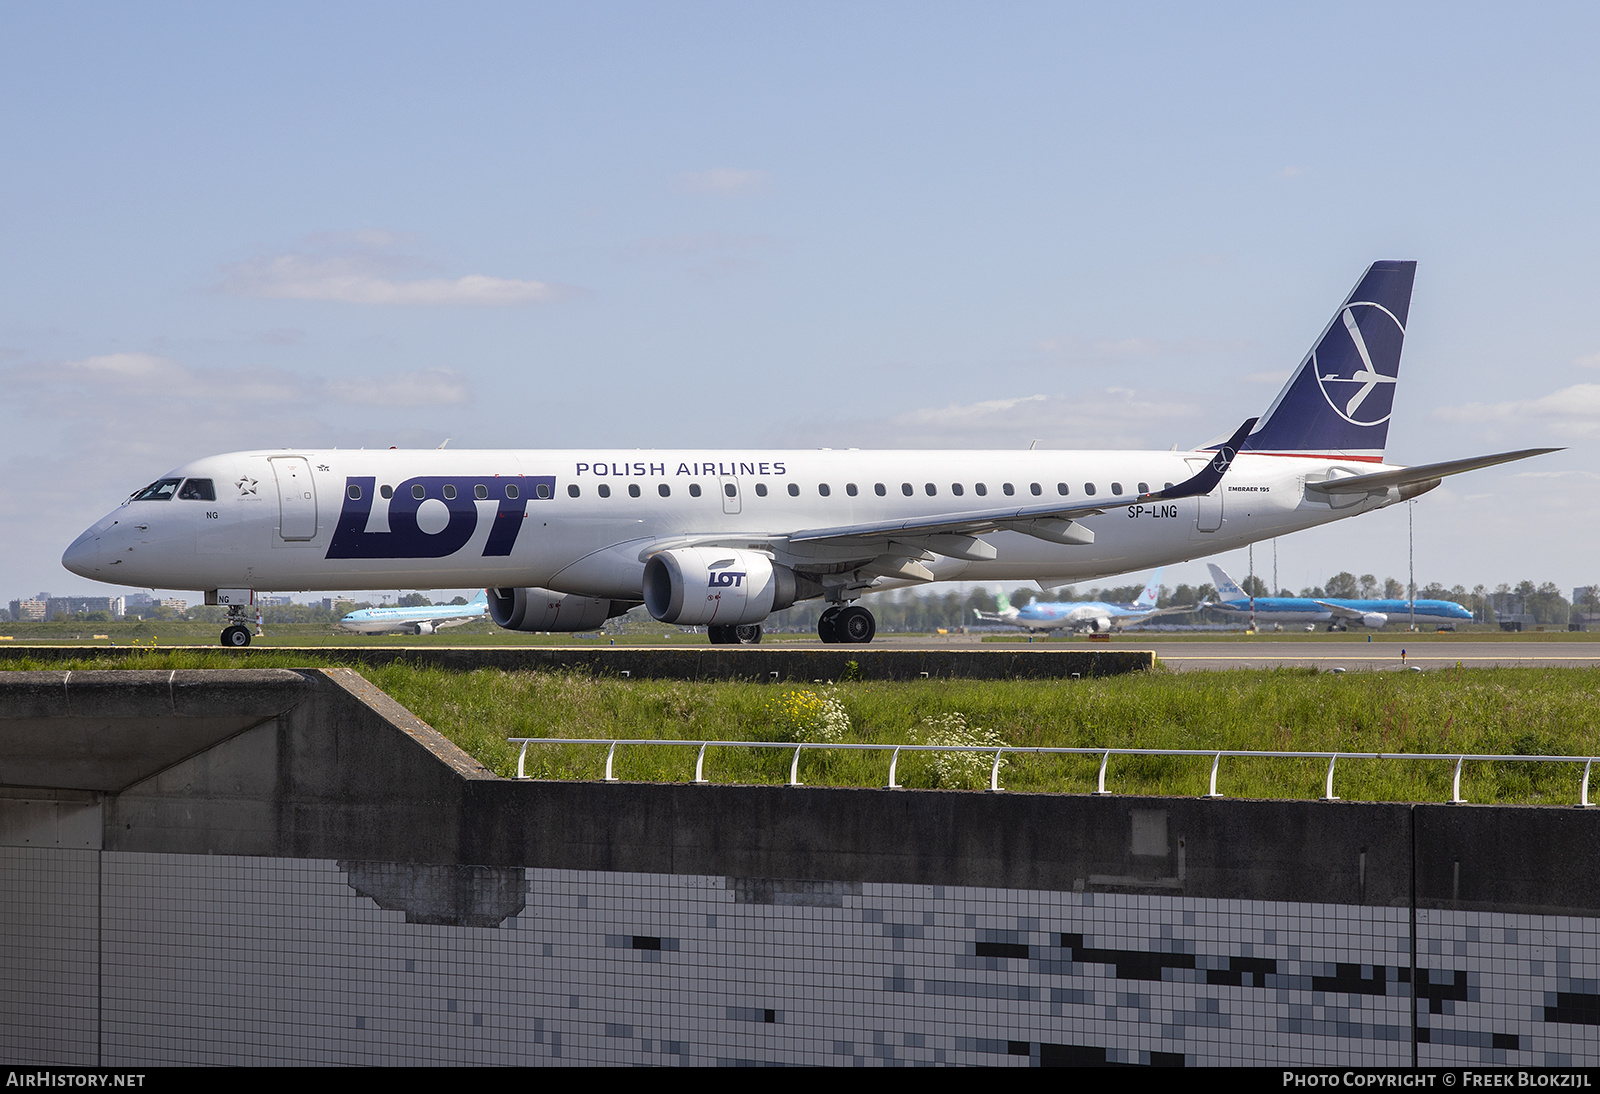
114 606
29 611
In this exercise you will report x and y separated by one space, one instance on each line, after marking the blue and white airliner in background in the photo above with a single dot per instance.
424 620
1096 616
1338 613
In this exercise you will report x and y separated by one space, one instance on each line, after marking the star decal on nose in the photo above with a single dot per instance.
246 484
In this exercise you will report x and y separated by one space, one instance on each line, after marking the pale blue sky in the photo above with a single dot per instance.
878 225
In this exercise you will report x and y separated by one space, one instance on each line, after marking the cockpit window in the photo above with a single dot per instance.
160 490
198 490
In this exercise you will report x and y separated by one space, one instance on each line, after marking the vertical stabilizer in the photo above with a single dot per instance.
1152 592
1337 403
1226 589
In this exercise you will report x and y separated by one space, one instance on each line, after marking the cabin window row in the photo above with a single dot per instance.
823 490
480 491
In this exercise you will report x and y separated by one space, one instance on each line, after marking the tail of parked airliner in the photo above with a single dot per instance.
1337 403
1226 588
1152 592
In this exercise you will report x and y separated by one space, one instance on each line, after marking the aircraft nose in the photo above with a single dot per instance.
83 556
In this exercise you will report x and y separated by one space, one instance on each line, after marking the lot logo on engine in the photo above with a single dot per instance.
726 578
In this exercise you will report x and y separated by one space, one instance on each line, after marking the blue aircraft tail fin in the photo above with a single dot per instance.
1337 403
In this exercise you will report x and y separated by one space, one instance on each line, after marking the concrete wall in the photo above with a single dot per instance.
321 764
292 868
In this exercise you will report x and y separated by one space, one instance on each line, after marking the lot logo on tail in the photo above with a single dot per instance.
1357 363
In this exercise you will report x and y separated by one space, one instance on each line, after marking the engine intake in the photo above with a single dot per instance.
543 610
703 585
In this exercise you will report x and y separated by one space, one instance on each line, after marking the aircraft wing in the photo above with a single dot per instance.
1174 609
1341 612
1031 518
1428 472
951 534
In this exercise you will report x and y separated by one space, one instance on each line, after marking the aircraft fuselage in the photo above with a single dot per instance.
583 522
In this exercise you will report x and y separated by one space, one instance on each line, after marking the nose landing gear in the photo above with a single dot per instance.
238 602
237 632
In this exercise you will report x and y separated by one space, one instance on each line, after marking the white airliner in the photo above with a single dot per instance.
420 620
565 539
1094 616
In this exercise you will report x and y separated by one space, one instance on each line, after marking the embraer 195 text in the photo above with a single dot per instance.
565 540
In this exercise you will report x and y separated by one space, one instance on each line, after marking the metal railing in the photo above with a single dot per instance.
1105 755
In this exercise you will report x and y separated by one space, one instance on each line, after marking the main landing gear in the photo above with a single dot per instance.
743 634
853 624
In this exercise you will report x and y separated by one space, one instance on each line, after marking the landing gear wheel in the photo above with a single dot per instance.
827 625
721 635
855 624
236 636
747 634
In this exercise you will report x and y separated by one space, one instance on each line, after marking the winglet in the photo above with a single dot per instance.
1206 481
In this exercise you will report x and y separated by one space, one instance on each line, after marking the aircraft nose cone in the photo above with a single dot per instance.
83 556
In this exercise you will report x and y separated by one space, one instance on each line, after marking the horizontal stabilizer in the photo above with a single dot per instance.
1406 476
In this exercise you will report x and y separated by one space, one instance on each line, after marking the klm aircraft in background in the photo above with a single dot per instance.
1082 615
1337 613
424 620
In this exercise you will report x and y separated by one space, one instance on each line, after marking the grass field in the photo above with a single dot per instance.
1512 711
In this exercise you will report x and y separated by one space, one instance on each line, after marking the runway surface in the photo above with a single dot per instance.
1429 653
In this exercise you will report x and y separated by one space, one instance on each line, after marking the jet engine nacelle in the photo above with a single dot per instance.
1376 620
703 585
424 628
543 610
1099 625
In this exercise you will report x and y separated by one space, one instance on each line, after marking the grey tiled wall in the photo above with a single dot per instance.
129 959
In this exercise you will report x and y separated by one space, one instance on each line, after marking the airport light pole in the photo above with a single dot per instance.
1251 581
1411 557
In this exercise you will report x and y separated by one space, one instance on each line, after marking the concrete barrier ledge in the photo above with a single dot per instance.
700 662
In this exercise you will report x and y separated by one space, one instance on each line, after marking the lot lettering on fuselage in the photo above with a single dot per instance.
460 496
